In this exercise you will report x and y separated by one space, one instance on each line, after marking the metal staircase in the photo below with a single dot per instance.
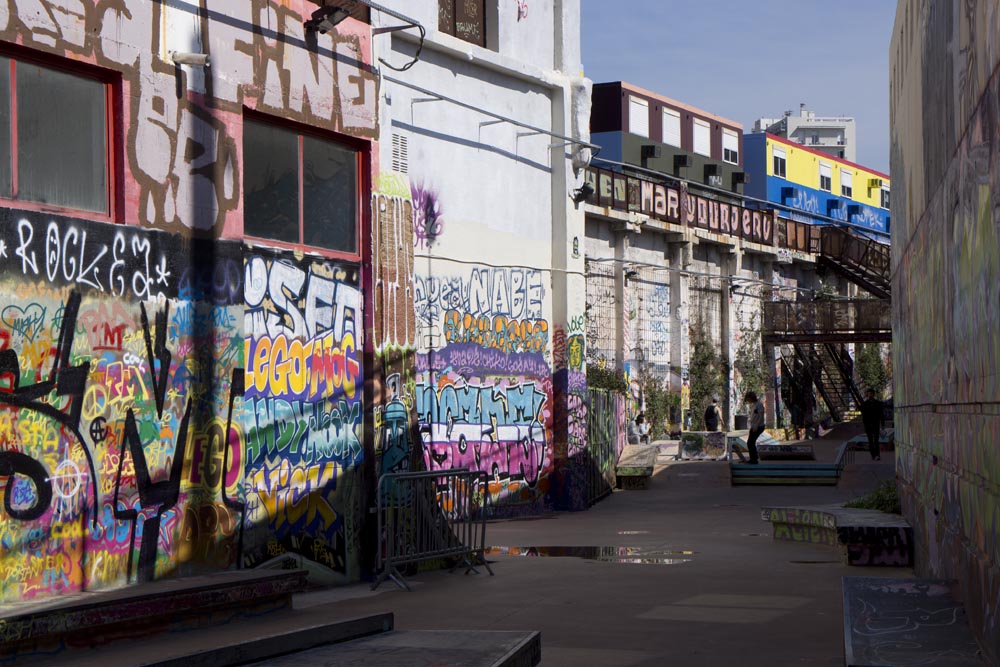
812 334
830 369
863 261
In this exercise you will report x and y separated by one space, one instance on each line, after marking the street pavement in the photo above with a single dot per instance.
683 573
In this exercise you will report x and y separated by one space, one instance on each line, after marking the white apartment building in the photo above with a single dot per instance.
835 135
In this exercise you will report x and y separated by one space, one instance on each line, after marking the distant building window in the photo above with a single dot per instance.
638 116
885 197
672 127
465 19
779 159
55 154
730 147
702 138
300 189
825 177
846 183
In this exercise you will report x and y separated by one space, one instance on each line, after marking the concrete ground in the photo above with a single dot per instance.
695 580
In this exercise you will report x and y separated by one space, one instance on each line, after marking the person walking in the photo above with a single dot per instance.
756 424
871 417
713 416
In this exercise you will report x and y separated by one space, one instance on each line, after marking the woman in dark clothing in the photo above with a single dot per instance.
871 417
756 423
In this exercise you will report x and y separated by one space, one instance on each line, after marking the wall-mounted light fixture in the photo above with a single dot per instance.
326 18
581 193
681 161
194 59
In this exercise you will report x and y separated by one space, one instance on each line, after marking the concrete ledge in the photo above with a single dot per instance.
812 474
905 622
635 466
470 648
260 648
100 617
868 537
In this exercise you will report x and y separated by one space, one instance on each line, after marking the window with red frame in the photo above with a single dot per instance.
299 188
54 134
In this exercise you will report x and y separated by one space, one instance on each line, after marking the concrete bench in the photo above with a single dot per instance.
865 537
635 466
702 446
905 622
780 452
793 473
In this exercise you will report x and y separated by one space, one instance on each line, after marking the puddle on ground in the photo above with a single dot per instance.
628 555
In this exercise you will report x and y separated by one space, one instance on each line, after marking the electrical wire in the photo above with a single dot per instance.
656 267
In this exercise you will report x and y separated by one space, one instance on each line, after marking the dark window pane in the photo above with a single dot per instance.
470 21
330 195
5 151
61 139
446 16
270 182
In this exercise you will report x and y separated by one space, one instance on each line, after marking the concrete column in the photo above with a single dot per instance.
623 344
770 353
569 415
680 259
731 259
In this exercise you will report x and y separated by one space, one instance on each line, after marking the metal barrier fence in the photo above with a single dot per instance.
428 515
602 443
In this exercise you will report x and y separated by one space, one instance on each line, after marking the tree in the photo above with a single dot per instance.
658 400
706 372
871 368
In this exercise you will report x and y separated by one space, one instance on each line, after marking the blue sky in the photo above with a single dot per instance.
743 59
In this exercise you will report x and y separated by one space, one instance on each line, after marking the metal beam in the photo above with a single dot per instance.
828 337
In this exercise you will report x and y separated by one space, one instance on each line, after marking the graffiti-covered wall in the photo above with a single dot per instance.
946 293
173 398
119 453
303 409
485 392
499 383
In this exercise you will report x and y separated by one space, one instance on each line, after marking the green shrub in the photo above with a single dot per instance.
600 377
885 498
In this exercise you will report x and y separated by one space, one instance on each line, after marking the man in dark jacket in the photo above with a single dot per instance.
871 416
